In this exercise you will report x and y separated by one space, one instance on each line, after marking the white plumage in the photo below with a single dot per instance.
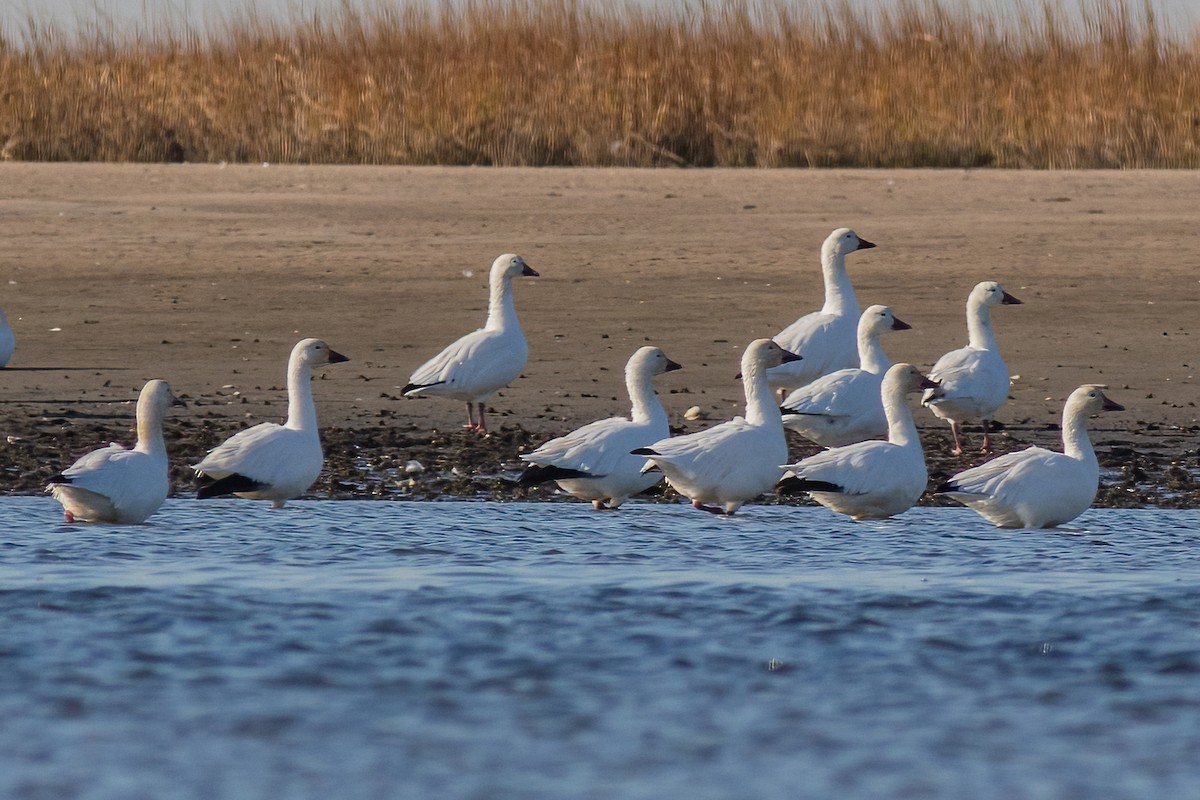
595 462
1036 487
874 479
719 469
116 485
973 380
844 407
826 338
481 363
269 461
7 340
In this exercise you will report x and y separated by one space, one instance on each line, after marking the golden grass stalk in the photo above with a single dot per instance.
557 82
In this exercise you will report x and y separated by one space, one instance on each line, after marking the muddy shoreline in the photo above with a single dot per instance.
406 462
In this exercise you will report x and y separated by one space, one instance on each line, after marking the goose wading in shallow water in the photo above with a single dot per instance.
973 380
1036 487
874 479
8 341
118 485
269 461
481 363
720 468
844 407
595 462
826 338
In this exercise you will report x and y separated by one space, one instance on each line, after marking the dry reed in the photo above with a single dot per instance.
556 82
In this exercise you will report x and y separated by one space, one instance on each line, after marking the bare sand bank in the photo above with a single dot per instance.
206 275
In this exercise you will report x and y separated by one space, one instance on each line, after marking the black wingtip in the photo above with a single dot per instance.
59 478
230 484
794 484
643 451
536 474
413 387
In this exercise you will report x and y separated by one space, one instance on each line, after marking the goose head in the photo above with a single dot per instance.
157 394
909 378
880 319
990 293
843 241
315 352
650 361
1092 399
511 265
764 354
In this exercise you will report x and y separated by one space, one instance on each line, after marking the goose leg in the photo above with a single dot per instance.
958 451
471 416
68 516
482 419
987 440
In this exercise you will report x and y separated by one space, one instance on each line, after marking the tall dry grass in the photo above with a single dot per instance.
556 82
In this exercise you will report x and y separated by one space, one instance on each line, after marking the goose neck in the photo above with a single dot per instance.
302 413
979 327
901 428
839 292
502 312
149 431
871 357
1076 442
761 407
646 405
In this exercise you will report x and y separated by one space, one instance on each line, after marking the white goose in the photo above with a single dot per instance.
117 485
1039 488
973 380
269 461
874 479
719 469
825 338
844 407
595 462
481 363
7 340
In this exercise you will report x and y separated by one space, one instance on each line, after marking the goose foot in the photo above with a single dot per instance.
710 509
68 517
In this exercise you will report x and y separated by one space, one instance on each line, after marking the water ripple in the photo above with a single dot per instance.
363 650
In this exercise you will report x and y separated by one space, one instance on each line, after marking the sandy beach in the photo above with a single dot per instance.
205 275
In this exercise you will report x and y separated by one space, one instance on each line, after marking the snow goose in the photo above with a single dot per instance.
1036 487
594 462
973 380
269 461
874 479
844 407
117 485
7 340
479 364
825 338
719 469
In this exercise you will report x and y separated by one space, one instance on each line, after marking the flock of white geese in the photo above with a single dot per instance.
845 395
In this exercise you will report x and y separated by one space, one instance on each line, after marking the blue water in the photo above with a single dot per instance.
477 650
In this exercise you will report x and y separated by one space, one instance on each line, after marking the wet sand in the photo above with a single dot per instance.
206 275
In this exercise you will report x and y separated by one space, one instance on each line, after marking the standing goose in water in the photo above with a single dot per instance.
481 363
873 479
269 461
826 338
973 380
1036 487
594 462
117 485
846 406
720 468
